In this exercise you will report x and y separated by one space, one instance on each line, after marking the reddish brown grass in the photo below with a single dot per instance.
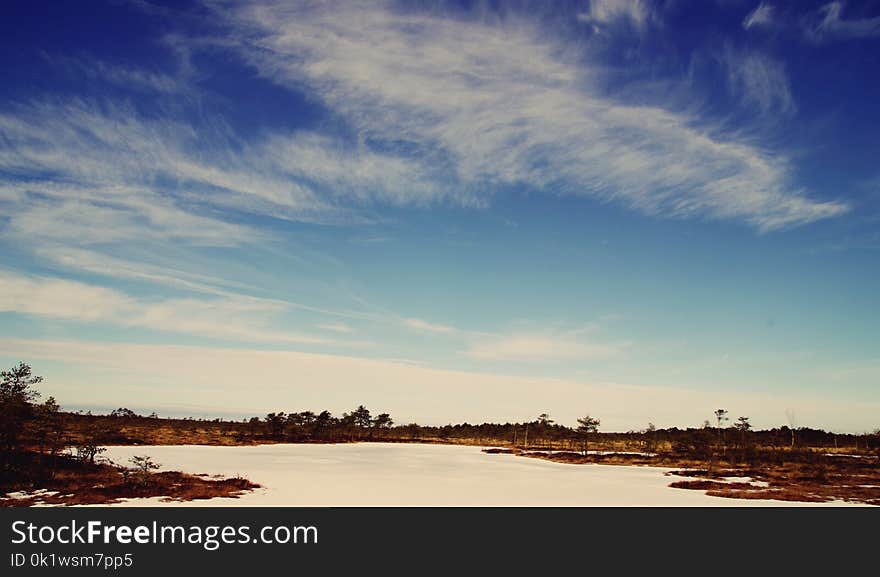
808 477
101 484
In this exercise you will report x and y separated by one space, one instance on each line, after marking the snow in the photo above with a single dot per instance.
630 453
850 455
394 474
26 494
728 480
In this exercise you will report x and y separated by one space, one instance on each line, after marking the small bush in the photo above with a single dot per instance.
143 468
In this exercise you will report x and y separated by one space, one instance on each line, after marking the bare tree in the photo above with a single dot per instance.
742 425
720 417
87 450
792 424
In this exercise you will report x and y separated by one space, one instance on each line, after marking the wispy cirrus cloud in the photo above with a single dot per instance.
336 327
67 164
127 77
231 318
106 265
828 24
107 155
759 81
488 105
604 12
527 344
47 211
494 104
824 24
83 180
761 16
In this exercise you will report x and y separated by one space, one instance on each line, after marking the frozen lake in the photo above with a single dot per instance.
389 474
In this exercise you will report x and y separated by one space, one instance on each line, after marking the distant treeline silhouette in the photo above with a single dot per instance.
42 447
123 426
45 429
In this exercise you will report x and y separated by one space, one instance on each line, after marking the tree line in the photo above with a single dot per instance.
30 425
359 424
307 425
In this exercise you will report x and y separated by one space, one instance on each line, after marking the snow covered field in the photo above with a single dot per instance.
388 474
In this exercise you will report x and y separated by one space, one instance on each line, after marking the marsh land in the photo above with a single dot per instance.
52 457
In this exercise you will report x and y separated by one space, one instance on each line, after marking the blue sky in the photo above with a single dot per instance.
450 211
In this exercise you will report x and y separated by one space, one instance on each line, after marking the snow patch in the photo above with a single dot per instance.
397 474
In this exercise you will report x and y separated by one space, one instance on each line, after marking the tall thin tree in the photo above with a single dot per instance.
586 426
721 416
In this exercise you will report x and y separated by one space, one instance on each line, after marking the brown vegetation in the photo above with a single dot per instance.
795 464
81 483
787 475
808 477
51 457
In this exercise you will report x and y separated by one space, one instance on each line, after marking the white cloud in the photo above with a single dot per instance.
69 165
126 77
77 174
99 214
204 379
60 298
82 181
829 24
104 264
759 81
526 344
425 326
502 104
114 155
541 347
236 318
606 11
761 16
107 265
344 172
444 110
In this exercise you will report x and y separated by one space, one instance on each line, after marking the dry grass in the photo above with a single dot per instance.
799 474
76 483
805 476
